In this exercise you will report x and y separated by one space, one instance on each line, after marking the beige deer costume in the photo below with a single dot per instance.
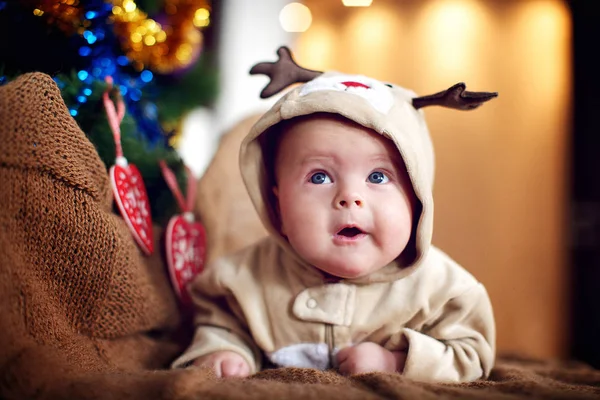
267 302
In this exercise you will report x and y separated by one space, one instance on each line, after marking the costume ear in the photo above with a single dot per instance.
454 97
283 73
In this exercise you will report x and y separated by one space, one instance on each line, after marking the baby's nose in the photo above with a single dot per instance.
350 200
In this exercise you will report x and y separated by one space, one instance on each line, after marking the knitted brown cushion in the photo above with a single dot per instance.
56 204
76 293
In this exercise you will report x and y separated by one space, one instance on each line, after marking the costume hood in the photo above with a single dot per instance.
389 110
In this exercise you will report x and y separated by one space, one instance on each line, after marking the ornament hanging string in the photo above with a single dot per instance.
185 204
115 116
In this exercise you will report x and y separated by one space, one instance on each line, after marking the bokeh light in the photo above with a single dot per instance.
295 17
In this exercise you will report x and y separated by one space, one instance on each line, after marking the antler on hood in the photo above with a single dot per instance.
282 73
454 97
285 72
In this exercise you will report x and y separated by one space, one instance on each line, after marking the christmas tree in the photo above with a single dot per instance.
158 54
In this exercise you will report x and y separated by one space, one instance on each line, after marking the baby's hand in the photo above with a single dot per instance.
225 364
369 357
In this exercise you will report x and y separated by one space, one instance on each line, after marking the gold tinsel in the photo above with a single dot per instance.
165 47
162 47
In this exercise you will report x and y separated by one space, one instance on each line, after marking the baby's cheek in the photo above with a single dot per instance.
395 230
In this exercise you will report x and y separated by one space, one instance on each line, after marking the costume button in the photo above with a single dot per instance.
311 303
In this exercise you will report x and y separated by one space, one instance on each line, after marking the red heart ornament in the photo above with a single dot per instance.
186 252
131 198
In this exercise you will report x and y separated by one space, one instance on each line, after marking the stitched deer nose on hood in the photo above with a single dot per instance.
389 110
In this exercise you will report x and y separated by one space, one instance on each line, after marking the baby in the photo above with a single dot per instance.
341 171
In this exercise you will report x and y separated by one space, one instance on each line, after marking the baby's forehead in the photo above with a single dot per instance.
332 136
316 124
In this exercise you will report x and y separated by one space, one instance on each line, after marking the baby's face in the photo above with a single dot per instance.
344 197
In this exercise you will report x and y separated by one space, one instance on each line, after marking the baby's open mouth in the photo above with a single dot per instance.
350 232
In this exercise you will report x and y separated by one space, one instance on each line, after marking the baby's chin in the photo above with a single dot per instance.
342 272
345 266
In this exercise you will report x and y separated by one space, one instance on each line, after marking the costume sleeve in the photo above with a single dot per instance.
457 344
219 322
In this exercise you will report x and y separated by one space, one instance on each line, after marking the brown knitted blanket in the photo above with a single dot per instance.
83 315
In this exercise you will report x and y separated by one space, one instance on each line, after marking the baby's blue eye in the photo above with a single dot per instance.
320 178
378 177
